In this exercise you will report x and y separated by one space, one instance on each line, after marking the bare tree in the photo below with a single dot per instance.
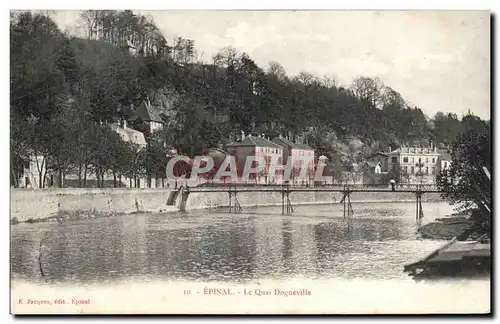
368 90
328 82
227 56
306 78
277 70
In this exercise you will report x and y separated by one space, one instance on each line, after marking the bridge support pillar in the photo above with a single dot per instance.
419 213
289 207
234 204
285 201
346 200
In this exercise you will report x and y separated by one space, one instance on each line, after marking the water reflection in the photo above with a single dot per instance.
259 244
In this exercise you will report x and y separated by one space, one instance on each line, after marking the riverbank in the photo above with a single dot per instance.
30 205
446 228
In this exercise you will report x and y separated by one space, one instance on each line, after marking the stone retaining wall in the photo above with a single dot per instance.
38 204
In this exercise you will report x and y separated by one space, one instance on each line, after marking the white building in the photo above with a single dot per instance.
418 164
132 136
129 135
444 161
33 168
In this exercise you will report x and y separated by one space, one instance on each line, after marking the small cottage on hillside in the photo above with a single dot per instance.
379 157
372 172
148 117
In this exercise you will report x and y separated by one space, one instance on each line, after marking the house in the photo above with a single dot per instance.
295 152
218 156
417 164
444 161
148 117
373 167
129 135
256 146
372 172
379 157
34 171
136 137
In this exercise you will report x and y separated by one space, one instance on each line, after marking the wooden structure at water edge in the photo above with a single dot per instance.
455 259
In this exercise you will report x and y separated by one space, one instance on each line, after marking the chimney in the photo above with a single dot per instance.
242 135
124 124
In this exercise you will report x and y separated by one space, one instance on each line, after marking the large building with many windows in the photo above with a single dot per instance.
257 146
295 152
417 164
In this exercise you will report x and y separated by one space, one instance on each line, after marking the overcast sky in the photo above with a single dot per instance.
438 61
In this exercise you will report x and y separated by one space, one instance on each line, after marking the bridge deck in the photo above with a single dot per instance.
310 190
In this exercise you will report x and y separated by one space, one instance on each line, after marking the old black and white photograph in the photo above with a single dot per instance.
250 162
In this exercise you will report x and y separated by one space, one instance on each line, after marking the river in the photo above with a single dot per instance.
166 263
315 242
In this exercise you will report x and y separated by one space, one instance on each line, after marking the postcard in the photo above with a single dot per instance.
250 162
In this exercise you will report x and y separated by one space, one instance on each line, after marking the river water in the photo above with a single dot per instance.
315 243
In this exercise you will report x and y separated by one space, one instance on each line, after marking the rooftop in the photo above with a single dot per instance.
416 150
256 142
147 112
372 164
129 134
378 153
445 156
284 141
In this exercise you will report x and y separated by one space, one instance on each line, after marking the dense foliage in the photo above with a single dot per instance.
64 90
467 183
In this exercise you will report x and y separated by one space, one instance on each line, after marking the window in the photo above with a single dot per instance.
406 169
426 170
433 160
432 170
412 160
445 164
405 159
419 160
426 160
394 159
412 170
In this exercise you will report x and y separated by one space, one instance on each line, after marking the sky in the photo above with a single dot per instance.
437 60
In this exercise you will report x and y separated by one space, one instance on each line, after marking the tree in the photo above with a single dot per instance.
64 125
37 81
124 59
368 90
106 150
466 183
393 174
277 70
20 147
